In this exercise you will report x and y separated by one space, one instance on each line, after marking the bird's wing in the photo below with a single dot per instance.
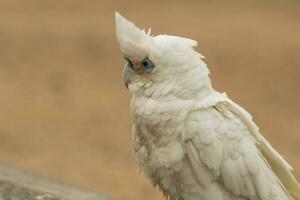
282 169
228 143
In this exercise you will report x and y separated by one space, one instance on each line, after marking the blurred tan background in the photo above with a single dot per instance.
64 111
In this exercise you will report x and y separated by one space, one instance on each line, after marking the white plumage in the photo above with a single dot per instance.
191 141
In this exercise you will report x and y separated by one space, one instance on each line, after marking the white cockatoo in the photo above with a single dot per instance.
191 141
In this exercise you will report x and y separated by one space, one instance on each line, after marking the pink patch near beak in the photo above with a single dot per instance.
137 66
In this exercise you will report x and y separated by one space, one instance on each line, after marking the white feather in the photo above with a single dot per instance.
191 141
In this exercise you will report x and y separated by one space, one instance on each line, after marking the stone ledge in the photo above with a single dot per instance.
16 184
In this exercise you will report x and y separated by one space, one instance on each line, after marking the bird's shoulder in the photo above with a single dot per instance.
209 124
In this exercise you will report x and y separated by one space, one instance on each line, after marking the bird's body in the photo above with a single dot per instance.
191 141
201 151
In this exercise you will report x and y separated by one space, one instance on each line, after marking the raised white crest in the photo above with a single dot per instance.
134 42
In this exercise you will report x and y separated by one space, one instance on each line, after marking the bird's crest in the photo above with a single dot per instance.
134 42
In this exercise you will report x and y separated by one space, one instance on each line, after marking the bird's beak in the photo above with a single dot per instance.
128 73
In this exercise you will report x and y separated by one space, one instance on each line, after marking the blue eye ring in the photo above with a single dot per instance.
147 65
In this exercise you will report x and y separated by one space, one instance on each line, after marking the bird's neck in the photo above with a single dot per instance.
183 89
197 89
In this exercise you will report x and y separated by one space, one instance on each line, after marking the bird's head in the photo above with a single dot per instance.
160 65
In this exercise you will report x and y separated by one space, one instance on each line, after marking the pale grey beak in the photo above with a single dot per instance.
128 73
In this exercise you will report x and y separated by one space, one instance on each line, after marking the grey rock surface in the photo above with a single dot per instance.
16 184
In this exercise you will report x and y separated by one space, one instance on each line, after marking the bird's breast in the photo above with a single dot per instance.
157 129
160 118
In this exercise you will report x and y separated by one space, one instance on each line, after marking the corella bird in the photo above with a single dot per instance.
191 141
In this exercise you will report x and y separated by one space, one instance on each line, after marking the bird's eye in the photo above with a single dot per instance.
147 65
129 63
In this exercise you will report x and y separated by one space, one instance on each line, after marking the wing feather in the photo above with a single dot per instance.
224 140
282 169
